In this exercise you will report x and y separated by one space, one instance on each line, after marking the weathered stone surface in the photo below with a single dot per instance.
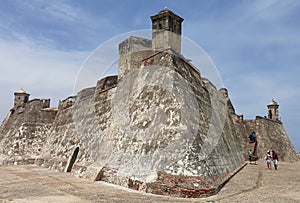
273 136
23 134
158 127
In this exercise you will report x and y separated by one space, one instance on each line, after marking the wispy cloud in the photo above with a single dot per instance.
52 10
55 22
41 70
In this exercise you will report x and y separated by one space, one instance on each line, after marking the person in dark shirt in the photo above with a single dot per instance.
252 137
275 159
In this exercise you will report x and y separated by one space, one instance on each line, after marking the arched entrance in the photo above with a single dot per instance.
72 160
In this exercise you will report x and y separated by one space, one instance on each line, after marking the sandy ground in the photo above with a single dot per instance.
255 183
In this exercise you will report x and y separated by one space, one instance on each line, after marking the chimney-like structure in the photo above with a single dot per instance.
166 31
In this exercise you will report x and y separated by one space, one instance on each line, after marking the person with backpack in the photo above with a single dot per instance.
252 137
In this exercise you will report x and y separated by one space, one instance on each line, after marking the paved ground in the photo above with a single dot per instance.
255 183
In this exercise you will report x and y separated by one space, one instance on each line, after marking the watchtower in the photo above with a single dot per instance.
166 31
21 98
273 113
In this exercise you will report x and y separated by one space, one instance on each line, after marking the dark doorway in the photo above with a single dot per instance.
73 159
270 114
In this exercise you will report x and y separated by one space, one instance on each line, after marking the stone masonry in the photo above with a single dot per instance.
158 127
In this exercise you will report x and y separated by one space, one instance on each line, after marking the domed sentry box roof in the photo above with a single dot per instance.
273 103
21 91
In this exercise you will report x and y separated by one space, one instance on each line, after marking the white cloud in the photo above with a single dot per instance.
63 24
41 70
36 62
57 10
274 9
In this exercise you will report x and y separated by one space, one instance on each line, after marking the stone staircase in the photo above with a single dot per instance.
253 146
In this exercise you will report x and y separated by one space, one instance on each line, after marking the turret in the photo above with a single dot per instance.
21 98
273 113
166 31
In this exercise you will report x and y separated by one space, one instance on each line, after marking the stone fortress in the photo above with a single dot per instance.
158 127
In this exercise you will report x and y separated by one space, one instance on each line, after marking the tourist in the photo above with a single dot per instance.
275 159
250 155
269 159
252 137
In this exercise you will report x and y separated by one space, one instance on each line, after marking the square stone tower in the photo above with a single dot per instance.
21 98
166 34
273 112
166 31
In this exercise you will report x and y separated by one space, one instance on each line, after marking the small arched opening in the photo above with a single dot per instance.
270 114
72 160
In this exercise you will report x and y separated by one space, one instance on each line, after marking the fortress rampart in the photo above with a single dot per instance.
157 127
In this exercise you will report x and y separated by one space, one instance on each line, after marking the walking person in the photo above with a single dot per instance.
269 159
250 155
252 137
275 159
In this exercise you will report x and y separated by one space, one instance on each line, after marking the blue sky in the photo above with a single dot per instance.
255 46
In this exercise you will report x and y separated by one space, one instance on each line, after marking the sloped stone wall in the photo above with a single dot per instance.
160 120
273 136
162 129
80 125
23 134
270 135
200 142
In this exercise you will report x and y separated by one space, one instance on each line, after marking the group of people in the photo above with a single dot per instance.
272 158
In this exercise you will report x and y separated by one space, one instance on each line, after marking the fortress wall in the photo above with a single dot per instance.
61 141
226 156
86 93
163 130
106 83
65 136
133 44
130 55
23 134
158 127
244 128
208 147
66 103
38 103
80 125
272 135
131 62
